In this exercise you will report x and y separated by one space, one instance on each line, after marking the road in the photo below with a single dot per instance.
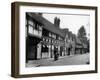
79 59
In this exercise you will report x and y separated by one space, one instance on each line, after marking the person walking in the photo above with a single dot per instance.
55 55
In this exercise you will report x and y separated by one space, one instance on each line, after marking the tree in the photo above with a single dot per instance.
83 38
82 34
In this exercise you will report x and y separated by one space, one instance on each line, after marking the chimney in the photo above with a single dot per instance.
57 22
39 14
70 34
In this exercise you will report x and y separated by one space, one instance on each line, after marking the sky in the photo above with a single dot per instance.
72 22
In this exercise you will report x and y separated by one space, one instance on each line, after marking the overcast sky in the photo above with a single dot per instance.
72 22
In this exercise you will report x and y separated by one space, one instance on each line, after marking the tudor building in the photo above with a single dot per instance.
42 37
33 37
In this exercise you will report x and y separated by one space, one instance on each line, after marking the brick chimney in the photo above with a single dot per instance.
40 14
57 22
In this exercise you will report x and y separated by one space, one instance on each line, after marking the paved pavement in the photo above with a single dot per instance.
79 59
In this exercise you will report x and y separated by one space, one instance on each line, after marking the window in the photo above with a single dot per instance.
54 36
52 41
43 39
30 30
46 40
34 28
49 34
59 38
32 23
40 28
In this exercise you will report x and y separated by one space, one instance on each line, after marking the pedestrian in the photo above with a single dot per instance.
68 51
55 55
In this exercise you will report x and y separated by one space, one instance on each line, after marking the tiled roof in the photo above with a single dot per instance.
47 24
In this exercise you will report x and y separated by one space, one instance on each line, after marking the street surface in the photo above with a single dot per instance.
79 59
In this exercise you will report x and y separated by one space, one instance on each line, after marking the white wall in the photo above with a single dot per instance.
5 40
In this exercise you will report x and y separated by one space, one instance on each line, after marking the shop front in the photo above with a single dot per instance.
31 48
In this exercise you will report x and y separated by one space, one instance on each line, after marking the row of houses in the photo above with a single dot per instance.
44 37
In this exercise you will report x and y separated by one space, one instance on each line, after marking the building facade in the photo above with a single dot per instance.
44 37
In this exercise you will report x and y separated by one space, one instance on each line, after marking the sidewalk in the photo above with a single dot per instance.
65 60
40 62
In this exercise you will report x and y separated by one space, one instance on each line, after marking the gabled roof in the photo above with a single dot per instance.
78 41
47 24
65 31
